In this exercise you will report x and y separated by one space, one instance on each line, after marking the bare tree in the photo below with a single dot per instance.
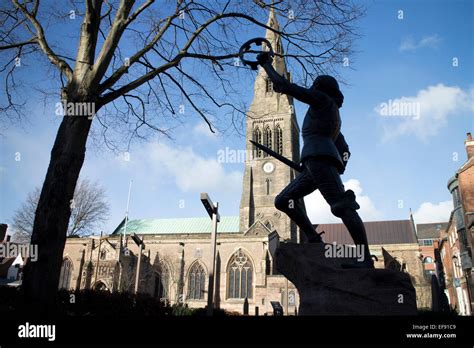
89 210
132 56
24 218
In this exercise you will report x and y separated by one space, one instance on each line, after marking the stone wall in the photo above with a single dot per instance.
173 255
408 255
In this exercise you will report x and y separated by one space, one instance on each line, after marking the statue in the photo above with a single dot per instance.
324 156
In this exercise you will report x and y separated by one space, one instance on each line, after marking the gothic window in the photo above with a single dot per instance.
279 140
268 85
196 280
268 181
66 274
161 287
100 286
103 254
240 272
267 139
257 136
268 264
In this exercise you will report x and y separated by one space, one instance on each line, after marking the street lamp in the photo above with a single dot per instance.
212 210
141 245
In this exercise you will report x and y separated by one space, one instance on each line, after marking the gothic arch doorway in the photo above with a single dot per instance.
100 286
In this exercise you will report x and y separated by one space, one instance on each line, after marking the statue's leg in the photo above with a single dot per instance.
356 228
289 202
343 204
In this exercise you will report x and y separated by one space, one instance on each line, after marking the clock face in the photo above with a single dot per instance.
268 167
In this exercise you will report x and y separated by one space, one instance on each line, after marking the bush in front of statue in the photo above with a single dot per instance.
101 304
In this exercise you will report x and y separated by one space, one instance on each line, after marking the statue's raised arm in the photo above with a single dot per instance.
310 96
323 159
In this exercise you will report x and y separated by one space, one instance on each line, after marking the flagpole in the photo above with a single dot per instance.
126 214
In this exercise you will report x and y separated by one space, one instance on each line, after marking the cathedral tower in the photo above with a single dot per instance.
271 121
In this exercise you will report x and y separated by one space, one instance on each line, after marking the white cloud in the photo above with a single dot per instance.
410 44
434 105
202 130
319 211
190 171
429 212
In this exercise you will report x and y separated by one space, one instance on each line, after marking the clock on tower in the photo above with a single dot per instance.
271 121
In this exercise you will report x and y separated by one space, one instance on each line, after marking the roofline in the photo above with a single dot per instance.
117 229
338 223
433 223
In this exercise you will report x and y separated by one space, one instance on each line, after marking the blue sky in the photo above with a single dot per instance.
397 162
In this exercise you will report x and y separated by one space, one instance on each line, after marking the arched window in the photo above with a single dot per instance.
278 140
257 136
267 140
162 281
66 274
268 264
240 274
196 281
103 254
100 286
268 85
268 182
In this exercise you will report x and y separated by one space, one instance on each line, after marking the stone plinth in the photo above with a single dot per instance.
327 289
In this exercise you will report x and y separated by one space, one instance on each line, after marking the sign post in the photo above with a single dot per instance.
141 245
212 210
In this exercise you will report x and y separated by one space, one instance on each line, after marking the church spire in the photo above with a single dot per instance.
263 89
271 121
275 40
272 22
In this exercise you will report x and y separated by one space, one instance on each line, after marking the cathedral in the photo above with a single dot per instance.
177 254
176 258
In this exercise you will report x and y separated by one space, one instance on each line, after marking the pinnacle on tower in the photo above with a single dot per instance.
275 40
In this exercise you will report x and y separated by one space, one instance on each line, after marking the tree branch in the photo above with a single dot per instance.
111 42
31 41
43 43
88 37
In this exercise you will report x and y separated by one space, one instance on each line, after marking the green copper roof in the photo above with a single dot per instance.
228 224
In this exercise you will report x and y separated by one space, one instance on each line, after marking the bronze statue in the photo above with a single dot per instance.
324 157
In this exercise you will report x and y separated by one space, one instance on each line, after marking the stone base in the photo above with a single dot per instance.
327 289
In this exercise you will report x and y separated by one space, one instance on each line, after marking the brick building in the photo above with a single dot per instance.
456 243
428 239
395 245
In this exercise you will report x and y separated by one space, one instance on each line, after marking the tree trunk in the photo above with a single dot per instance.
41 277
